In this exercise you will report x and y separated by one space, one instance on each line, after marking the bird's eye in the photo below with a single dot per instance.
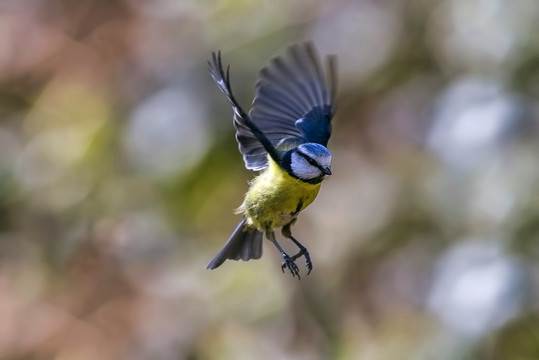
311 161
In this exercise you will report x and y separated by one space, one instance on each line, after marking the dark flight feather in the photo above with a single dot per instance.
293 104
294 101
242 121
244 244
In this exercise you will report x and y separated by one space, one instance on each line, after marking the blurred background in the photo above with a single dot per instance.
119 174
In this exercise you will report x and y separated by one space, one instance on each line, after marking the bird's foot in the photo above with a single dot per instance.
305 253
290 264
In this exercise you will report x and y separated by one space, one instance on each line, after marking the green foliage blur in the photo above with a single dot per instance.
119 176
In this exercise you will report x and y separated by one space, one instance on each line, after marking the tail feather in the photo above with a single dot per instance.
244 244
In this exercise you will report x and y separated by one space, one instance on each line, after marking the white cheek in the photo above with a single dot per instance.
302 169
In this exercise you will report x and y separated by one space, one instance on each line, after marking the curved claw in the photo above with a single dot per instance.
290 264
305 253
309 263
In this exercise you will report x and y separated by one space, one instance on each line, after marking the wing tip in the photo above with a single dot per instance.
333 80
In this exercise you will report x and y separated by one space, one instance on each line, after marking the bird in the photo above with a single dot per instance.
284 137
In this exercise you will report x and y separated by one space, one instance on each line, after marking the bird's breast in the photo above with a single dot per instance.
275 198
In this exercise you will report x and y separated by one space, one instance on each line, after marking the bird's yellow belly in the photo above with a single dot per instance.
275 199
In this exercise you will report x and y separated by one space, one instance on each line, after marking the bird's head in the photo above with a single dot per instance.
310 162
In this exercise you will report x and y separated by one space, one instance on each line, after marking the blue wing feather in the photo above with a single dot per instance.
293 104
294 99
315 126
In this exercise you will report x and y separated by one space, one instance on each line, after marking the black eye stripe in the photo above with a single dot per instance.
305 156
310 160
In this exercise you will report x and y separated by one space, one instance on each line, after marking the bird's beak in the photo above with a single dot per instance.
326 170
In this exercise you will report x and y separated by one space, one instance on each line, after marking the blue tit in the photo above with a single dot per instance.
284 136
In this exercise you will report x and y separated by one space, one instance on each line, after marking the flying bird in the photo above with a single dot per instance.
284 136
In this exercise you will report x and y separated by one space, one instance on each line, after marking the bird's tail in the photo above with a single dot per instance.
245 243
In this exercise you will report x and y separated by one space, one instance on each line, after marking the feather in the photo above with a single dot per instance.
244 243
293 99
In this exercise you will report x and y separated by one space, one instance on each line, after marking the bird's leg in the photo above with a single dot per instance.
287 232
288 262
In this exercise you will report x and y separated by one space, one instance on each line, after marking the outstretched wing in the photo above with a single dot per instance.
294 103
252 141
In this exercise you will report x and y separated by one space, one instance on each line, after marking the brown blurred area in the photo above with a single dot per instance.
119 174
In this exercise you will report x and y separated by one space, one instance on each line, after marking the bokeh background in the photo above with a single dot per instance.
119 174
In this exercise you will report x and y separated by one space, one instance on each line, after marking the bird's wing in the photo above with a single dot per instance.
293 104
253 144
294 100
